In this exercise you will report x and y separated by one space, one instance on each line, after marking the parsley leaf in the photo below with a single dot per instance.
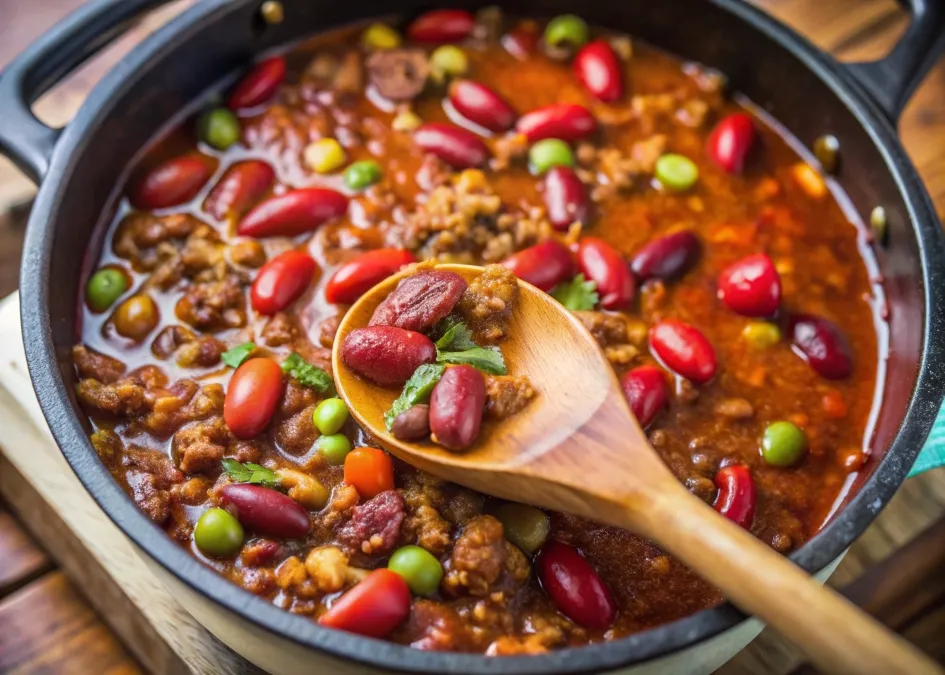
456 339
251 473
307 374
487 359
234 357
577 294
417 390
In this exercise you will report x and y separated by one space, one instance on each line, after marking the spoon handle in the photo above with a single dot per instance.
837 636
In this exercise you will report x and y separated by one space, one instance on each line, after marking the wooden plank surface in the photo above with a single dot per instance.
21 560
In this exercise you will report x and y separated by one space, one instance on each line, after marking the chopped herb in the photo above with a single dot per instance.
487 359
252 473
456 338
417 390
234 357
577 294
307 374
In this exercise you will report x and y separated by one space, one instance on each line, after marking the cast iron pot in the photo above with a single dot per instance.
79 169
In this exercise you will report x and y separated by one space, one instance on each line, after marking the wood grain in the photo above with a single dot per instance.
21 561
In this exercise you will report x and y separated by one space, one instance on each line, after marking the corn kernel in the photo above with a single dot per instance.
406 120
448 61
809 180
380 36
324 155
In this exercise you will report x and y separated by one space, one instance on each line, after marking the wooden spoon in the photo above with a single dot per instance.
577 448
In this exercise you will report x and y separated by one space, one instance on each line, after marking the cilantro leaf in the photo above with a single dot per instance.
417 390
253 474
307 374
456 339
234 357
487 359
577 294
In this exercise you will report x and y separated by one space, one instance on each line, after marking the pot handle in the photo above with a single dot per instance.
891 80
23 138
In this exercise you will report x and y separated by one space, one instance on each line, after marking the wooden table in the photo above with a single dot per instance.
58 613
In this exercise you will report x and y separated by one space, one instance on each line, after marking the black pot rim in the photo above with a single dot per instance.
814 556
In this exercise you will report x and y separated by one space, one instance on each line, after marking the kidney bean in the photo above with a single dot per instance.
281 281
736 497
822 344
478 103
413 424
598 68
439 26
684 349
456 406
458 147
251 397
357 277
239 189
293 213
544 265
386 355
600 263
265 510
522 41
568 121
258 85
172 182
646 392
420 301
666 258
751 286
375 607
730 142
574 586
565 197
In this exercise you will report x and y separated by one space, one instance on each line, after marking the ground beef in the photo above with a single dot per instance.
248 253
619 337
191 350
428 528
150 476
375 525
507 395
296 434
327 330
139 235
483 562
295 398
433 173
122 398
200 446
207 402
280 330
548 631
214 305
431 626
398 74
487 304
168 407
735 409
97 366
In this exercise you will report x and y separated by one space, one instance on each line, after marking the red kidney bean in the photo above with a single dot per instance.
357 277
823 345
574 586
386 355
736 498
646 392
251 397
600 263
375 607
751 286
258 85
730 142
567 121
413 424
420 301
458 147
439 26
281 281
172 182
684 349
293 212
478 103
456 406
522 41
544 265
265 510
666 258
243 184
565 197
598 68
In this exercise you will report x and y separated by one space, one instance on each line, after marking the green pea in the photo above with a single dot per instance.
362 174
783 444
419 568
525 526
218 534
219 128
334 447
676 172
549 153
330 415
761 335
105 287
566 29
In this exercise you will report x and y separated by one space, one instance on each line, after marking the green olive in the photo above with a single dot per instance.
136 317
330 415
566 29
362 174
334 447
761 335
783 444
105 287
525 526
219 128
676 172
218 534
419 568
549 153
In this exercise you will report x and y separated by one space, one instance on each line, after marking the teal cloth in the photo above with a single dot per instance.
933 454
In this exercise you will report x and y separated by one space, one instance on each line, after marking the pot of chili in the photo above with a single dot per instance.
98 194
